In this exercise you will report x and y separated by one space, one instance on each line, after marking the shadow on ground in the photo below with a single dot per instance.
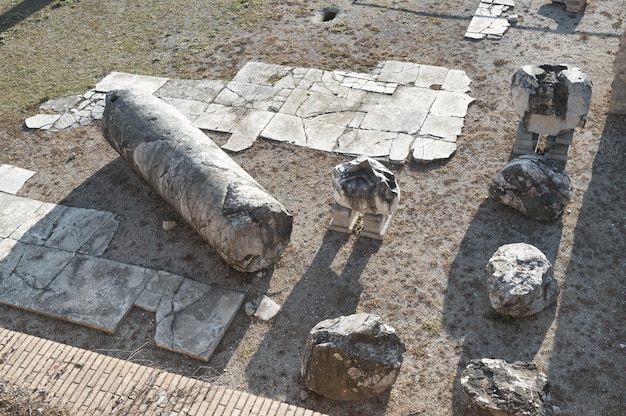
468 314
304 308
588 357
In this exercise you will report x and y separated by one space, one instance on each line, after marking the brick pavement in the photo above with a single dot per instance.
87 383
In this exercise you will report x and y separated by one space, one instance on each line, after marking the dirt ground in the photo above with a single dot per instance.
426 279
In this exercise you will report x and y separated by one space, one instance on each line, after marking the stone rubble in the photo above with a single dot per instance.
353 357
379 114
505 389
50 264
489 21
534 185
520 280
13 178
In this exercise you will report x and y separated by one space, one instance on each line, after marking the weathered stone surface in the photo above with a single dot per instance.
428 148
13 178
367 186
534 185
618 87
504 389
223 203
42 121
551 99
352 357
267 308
520 280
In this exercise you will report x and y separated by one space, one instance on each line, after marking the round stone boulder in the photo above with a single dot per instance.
353 357
534 185
521 280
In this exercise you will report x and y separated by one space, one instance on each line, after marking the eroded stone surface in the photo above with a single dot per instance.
352 357
360 113
13 178
521 280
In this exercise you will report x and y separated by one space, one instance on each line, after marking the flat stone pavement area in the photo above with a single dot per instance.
87 383
50 264
398 110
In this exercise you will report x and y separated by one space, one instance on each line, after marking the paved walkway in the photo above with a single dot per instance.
397 110
87 383
50 264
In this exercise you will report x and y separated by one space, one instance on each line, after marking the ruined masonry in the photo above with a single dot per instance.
396 110
50 264
491 19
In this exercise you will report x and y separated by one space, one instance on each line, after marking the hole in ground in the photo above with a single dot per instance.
329 13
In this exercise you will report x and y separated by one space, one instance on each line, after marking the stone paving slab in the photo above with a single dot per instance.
13 178
50 264
488 21
284 103
87 383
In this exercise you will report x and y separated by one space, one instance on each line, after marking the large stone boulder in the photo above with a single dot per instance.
520 280
352 357
534 185
504 389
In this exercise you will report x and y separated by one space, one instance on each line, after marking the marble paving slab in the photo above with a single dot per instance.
333 111
13 178
50 264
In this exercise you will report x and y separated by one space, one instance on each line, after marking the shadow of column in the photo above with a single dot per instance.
20 12
468 314
588 361
321 293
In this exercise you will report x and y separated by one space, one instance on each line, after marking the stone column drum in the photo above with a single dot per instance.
248 227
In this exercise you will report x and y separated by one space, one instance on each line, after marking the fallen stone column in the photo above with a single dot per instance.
246 225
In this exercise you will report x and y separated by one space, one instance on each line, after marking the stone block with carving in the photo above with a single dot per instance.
521 280
353 357
365 186
551 100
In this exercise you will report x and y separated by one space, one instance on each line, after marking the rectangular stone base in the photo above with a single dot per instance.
375 226
344 219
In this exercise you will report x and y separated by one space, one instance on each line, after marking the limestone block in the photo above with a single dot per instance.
505 389
352 357
534 185
551 99
248 227
521 280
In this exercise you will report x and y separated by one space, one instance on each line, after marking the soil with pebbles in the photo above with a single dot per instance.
426 279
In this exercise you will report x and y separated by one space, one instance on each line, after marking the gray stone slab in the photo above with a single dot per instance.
401 148
75 228
219 118
66 121
294 101
286 128
373 143
196 90
317 103
39 227
60 105
260 97
190 108
239 142
163 285
311 76
329 85
344 118
13 178
41 121
94 292
431 75
261 73
125 81
322 136
426 149
403 73
14 211
447 128
451 104
26 270
394 119
196 329
252 122
456 81
420 99
99 241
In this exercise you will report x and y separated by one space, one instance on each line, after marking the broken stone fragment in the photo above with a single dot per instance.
267 308
521 280
534 185
248 227
505 389
353 357
551 99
